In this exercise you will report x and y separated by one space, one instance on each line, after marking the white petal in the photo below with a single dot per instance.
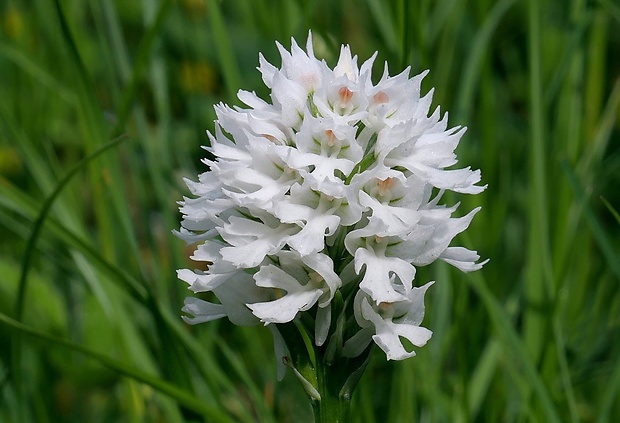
322 324
441 237
280 349
462 258
267 70
377 280
202 311
324 266
285 309
388 334
251 241
235 293
347 65
298 297
356 345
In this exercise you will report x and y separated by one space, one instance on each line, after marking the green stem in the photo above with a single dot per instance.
333 407
328 381
327 377
335 382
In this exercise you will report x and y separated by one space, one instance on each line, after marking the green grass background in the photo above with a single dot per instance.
90 327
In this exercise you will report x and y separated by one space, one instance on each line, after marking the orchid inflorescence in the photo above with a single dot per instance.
319 205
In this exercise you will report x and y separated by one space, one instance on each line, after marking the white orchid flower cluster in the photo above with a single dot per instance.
331 189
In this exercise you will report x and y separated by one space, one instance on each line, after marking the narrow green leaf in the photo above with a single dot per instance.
611 209
472 71
539 276
610 396
143 56
513 344
224 50
38 224
600 235
386 25
38 73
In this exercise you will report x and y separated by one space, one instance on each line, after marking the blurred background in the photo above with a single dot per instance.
90 327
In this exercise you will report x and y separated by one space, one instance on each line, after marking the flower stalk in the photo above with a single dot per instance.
328 379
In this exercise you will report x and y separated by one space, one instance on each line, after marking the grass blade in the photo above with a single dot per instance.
514 344
38 224
16 343
167 388
224 51
613 211
600 235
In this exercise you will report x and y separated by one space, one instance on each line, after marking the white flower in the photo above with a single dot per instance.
330 187
306 280
387 322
